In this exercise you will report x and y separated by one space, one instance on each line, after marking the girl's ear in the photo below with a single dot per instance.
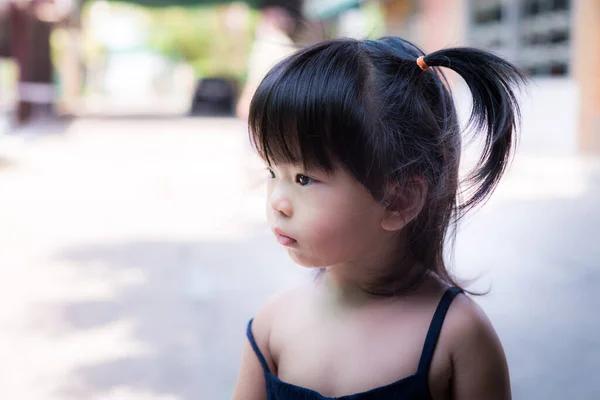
403 203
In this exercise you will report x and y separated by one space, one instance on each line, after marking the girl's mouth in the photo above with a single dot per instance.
282 239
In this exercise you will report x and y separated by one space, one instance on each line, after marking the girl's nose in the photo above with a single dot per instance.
280 203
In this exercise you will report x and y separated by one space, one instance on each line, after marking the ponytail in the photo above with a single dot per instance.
491 81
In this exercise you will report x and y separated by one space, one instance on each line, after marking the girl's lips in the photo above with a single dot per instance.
282 239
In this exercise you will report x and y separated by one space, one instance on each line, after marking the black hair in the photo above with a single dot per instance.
367 105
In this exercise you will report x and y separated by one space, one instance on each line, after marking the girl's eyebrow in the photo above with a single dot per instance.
315 170
309 169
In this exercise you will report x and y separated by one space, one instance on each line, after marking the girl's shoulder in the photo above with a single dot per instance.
466 353
270 314
466 324
463 322
464 317
279 303
473 347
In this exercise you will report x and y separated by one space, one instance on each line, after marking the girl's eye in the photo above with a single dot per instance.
271 173
304 180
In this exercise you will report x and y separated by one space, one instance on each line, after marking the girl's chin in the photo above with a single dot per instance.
304 261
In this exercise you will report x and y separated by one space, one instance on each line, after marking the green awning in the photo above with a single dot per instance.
328 8
313 8
183 3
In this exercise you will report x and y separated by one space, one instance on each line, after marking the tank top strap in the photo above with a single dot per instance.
261 358
435 328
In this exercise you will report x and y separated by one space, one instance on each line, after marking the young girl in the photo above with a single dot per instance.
362 143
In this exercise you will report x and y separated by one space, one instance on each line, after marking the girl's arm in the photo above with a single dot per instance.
251 383
480 370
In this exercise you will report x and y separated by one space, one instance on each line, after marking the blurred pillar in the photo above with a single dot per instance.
444 23
30 47
72 72
235 19
4 53
586 70
19 34
431 24
397 18
70 66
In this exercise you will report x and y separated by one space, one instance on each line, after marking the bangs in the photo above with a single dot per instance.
309 110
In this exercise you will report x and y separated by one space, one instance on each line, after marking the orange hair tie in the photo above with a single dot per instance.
421 63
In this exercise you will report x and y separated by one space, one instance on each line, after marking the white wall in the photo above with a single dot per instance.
550 116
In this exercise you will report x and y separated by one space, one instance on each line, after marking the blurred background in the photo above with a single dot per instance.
133 246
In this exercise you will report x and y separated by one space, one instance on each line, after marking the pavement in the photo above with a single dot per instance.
135 250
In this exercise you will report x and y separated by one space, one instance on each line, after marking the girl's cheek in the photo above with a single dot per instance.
328 230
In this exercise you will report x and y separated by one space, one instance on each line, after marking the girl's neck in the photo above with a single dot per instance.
351 284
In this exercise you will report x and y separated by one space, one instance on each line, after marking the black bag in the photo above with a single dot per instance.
214 97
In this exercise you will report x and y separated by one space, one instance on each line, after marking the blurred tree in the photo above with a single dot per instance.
202 38
375 20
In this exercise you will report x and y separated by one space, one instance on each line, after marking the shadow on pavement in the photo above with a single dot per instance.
189 309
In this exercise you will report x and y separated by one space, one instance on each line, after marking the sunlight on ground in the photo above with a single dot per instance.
129 393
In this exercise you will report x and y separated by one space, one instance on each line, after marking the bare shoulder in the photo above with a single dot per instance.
468 328
251 379
268 316
278 304
466 318
479 364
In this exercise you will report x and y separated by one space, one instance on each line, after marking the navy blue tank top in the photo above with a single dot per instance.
414 387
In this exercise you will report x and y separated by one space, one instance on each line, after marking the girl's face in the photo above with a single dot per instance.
323 219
